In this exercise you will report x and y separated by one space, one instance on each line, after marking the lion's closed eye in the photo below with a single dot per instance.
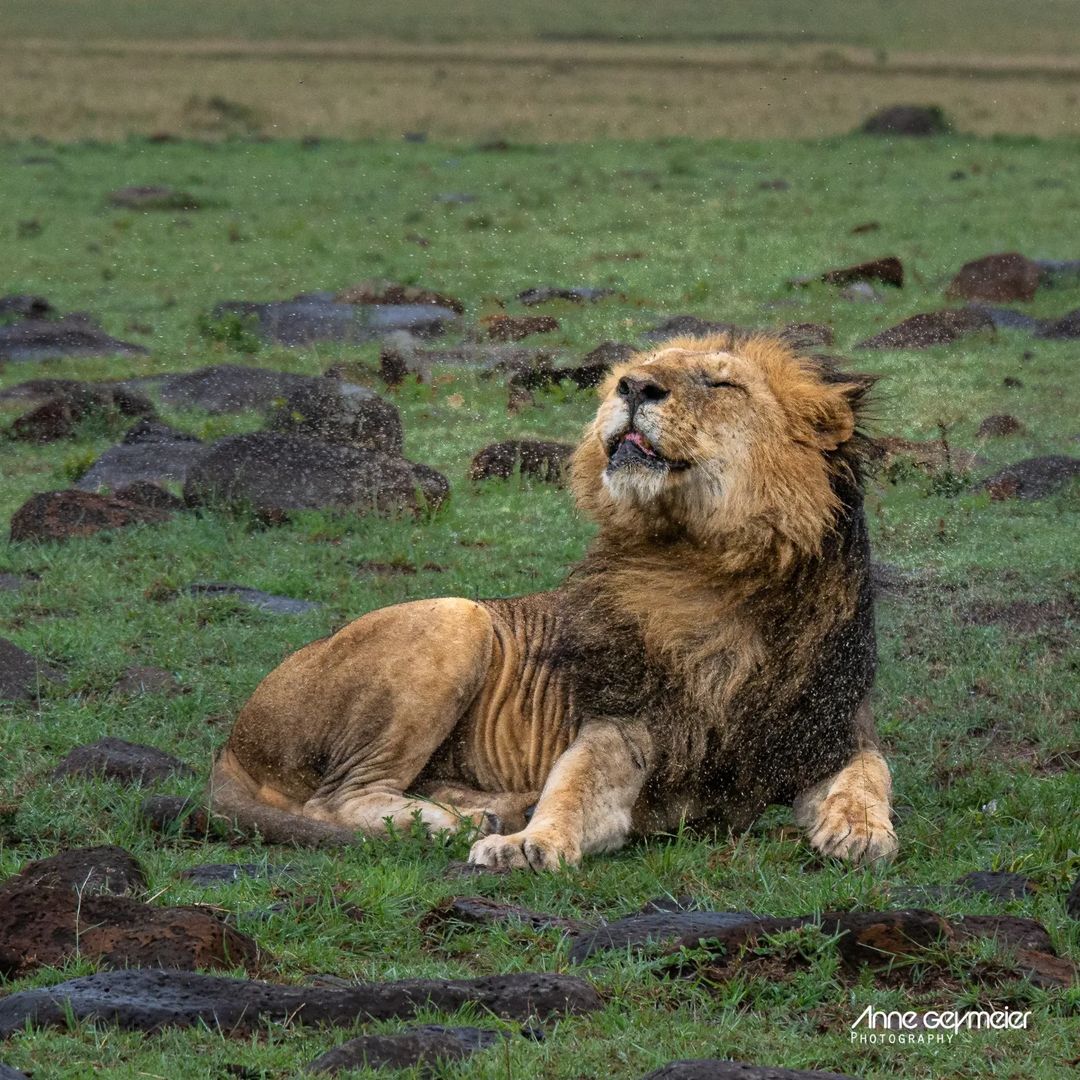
725 384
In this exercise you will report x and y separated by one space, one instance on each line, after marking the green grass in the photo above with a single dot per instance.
968 712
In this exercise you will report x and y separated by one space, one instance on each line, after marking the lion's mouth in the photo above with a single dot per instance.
632 448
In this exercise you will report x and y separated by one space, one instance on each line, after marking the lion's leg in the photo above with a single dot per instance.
585 806
373 809
848 815
507 809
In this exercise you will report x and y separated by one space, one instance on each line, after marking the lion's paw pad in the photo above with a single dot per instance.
848 831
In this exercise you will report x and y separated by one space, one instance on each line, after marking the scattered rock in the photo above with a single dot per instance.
1072 901
392 293
144 493
15 582
608 354
909 120
273 474
141 679
115 759
224 388
931 456
1011 931
997 278
929 328
87 871
860 292
1058 272
999 884
544 461
688 326
42 926
717 1069
274 605
39 389
479 911
21 675
1065 328
888 270
339 412
1007 319
1032 478
61 515
19 306
309 320
150 453
809 335
999 425
174 815
458 869
415 1046
60 416
152 1000
50 339
9 1073
575 294
152 197
211 874
517 327
1012 382
394 366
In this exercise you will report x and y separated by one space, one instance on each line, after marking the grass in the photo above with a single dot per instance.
975 715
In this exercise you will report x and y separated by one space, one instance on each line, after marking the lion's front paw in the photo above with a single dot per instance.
535 850
847 829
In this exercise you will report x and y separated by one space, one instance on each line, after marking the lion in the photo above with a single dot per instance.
712 654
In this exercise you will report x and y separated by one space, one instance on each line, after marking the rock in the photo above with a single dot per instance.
61 515
115 759
211 874
174 815
717 1069
1010 931
273 474
376 291
864 227
21 306
544 461
415 1046
339 412
309 320
997 278
60 416
1065 328
480 911
888 270
7 1072
908 120
809 335
141 679
50 339
274 605
150 452
142 1000
15 582
928 329
42 926
1032 478
860 292
1072 901
999 425
87 871
152 197
394 364
607 354
144 493
39 389
517 327
931 456
688 326
997 883
575 294
21 675
1055 272
1007 319
224 388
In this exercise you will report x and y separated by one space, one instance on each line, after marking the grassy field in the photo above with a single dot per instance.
979 717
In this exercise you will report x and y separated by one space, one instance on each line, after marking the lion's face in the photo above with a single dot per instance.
709 435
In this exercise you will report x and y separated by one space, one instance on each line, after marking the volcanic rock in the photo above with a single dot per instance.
88 871
1072 901
60 416
61 515
544 461
888 270
424 1045
999 425
1007 319
115 759
21 675
150 453
999 884
376 291
174 815
929 328
717 1069
20 306
50 339
147 1000
908 120
212 874
997 278
223 388
517 327
1065 328
480 911
256 598
338 412
688 326
576 294
1032 478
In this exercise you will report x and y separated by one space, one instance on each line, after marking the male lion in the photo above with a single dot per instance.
713 652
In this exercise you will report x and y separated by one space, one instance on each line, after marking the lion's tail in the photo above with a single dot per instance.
233 796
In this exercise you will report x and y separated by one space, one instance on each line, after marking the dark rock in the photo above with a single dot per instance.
39 389
913 120
1072 901
49 339
211 874
374 291
1065 328
146 680
457 869
608 353
480 911
15 582
1012 382
865 227
576 294
7 1072
224 388
932 455
688 326
155 433
152 197
60 416
61 515
174 815
1009 930
1032 478
809 335
142 1000
149 453
928 329
689 928
717 1069
309 320
544 461
42 926
888 270
1056 272
407 1049
997 278
338 412
21 676
517 327
25 307
87 871
127 763
273 474
999 425
1007 319
274 605
144 493
394 366
998 884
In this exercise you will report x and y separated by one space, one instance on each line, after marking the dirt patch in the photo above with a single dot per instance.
1026 616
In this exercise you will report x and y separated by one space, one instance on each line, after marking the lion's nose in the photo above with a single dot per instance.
638 391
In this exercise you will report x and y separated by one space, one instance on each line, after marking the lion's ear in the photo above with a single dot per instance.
834 419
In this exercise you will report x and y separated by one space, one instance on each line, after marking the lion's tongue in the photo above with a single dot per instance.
638 440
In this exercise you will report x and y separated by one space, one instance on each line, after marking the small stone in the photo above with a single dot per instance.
543 461
996 883
860 292
213 874
22 676
999 425
417 1046
997 278
888 271
174 815
480 911
51 339
575 294
115 759
517 327
61 416
378 291
1065 328
1033 478
22 306
920 121
256 598
1072 901
929 329
87 871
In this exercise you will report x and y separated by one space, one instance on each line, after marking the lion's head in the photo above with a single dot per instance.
723 442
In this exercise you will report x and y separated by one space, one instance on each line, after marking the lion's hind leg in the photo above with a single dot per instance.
375 809
503 811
